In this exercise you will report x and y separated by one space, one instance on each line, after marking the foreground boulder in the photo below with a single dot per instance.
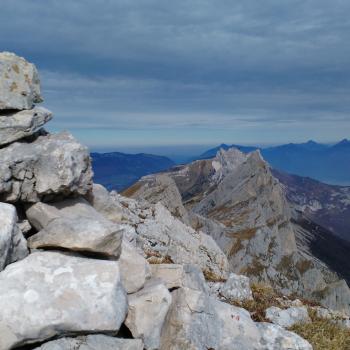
52 294
93 342
147 311
288 317
13 246
274 337
16 125
51 165
196 321
19 82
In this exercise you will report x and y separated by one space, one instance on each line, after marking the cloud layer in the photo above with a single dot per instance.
158 72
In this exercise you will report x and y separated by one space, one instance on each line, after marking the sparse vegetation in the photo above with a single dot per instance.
323 334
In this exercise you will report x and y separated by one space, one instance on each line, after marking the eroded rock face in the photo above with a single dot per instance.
147 311
50 293
197 321
93 342
13 246
52 165
19 83
17 125
164 236
288 317
274 337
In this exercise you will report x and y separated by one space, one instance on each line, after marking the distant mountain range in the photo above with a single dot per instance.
117 171
326 163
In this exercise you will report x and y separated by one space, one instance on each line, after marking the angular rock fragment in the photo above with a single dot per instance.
17 125
19 83
53 294
93 342
147 311
13 246
196 321
288 317
50 166
236 288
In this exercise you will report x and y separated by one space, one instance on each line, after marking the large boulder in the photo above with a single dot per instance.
19 83
50 166
274 337
197 321
75 225
13 246
53 294
288 317
166 237
147 311
16 125
93 342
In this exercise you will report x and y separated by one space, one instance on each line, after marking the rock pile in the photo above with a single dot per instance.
97 270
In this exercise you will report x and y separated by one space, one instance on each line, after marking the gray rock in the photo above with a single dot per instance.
49 166
288 317
80 234
164 236
177 276
196 321
19 83
13 246
17 125
236 288
147 311
93 342
274 337
53 294
134 268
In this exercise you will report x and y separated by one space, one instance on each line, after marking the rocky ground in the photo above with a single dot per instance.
82 268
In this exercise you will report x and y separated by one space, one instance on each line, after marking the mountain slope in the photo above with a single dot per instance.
117 171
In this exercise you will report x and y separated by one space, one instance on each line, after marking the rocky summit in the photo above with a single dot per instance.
177 262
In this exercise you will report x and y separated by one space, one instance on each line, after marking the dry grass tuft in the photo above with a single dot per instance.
323 334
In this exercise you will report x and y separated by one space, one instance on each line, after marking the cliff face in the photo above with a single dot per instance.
235 198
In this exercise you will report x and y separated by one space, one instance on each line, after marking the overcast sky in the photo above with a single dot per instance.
154 72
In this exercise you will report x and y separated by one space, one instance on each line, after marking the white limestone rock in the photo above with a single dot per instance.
134 268
147 311
50 166
93 342
178 276
165 236
288 317
19 83
274 337
17 125
13 246
236 288
196 321
53 294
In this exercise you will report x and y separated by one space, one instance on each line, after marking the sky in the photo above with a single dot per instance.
142 74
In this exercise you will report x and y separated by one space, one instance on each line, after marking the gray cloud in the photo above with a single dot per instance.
200 65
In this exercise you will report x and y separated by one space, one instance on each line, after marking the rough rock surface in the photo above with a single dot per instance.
19 82
178 276
164 236
288 317
13 246
74 224
16 125
236 288
49 166
147 311
134 268
274 337
50 293
93 342
196 321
